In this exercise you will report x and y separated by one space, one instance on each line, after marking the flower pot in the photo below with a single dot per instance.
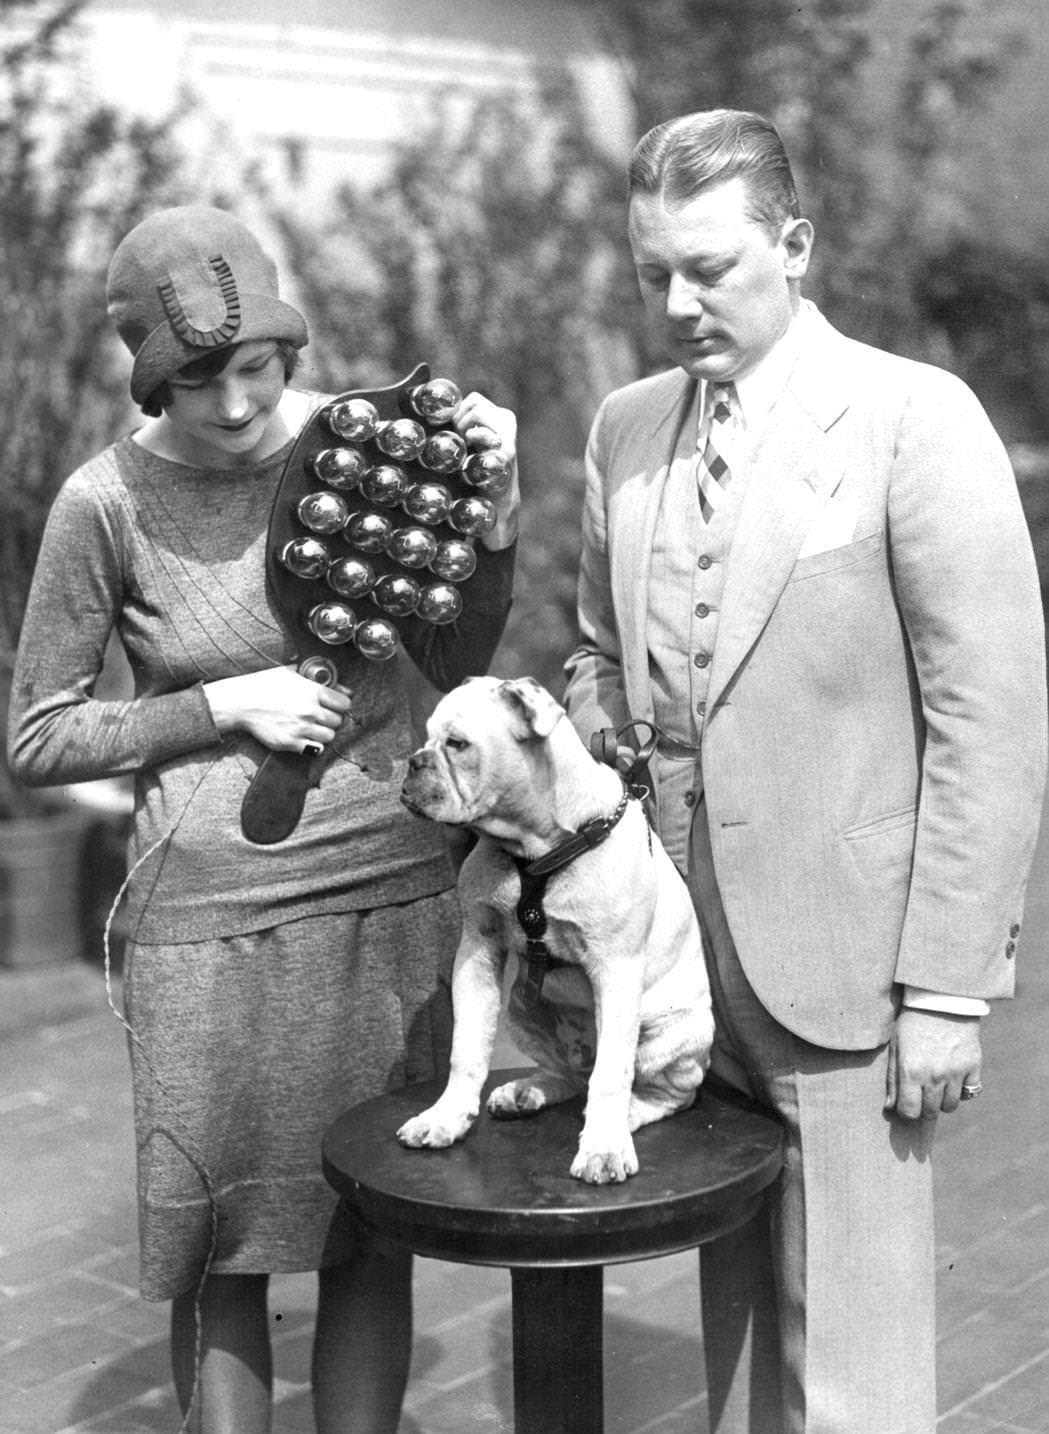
40 902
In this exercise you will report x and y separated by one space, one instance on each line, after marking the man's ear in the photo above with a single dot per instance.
797 238
536 712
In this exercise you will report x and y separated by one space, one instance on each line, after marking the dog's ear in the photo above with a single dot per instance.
537 711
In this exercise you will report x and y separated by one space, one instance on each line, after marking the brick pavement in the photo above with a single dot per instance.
80 1352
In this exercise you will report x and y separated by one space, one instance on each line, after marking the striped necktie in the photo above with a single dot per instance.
712 470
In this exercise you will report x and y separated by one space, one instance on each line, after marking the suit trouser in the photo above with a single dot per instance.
819 1316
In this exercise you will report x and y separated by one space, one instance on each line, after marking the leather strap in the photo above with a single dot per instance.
534 875
589 835
273 803
532 919
605 745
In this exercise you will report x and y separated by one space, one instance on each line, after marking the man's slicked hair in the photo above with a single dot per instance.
682 157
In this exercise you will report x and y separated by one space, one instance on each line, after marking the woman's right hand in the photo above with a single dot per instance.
282 709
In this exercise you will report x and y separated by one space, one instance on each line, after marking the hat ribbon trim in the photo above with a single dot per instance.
204 338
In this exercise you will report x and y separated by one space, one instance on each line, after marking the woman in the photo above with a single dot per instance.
267 987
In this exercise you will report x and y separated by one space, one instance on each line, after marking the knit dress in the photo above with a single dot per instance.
267 987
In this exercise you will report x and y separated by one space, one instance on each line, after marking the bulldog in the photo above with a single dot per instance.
610 996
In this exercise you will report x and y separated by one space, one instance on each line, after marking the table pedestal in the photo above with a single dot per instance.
503 1196
558 1349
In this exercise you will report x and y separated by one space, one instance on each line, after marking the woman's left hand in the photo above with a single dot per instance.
485 425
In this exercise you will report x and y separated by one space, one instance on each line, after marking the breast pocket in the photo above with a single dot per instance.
832 559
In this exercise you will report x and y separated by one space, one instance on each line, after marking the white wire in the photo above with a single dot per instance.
197 1159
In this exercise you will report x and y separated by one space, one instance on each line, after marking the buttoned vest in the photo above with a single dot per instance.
686 582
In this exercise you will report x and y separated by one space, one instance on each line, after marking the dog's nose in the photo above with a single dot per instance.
418 760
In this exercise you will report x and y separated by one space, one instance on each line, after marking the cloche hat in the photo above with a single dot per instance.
190 279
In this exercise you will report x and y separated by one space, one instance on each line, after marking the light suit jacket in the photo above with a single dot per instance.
875 744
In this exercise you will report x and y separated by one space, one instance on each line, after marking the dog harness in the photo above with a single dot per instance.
534 877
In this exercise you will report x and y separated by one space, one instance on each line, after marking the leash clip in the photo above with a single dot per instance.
605 745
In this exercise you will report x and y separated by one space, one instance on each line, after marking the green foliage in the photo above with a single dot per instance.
774 56
74 177
495 247
992 305
923 191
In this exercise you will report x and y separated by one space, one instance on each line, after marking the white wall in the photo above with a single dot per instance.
342 80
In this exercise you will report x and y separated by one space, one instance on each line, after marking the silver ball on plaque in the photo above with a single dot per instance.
396 594
402 438
355 419
444 452
306 557
455 560
412 547
385 485
472 516
350 577
489 471
440 603
436 400
341 468
369 532
323 512
332 622
428 503
376 639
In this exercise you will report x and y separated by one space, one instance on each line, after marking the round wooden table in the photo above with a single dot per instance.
504 1196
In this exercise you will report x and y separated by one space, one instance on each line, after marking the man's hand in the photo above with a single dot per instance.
931 1055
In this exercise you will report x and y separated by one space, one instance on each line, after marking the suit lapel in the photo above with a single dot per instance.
662 437
791 477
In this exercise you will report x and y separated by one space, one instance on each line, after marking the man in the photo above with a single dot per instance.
805 564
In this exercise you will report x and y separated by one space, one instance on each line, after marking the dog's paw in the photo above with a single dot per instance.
517 1098
434 1130
605 1167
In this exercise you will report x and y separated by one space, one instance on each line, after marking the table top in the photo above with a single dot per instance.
503 1196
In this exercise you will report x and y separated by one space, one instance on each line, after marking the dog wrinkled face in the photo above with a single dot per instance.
445 774
473 757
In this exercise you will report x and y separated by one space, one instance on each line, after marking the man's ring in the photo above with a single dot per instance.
311 749
970 1092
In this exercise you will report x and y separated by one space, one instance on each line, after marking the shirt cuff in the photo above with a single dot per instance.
916 998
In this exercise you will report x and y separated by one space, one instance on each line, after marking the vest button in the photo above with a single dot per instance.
702 610
701 659
704 561
690 799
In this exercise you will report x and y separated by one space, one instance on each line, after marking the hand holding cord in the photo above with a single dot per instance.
622 749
